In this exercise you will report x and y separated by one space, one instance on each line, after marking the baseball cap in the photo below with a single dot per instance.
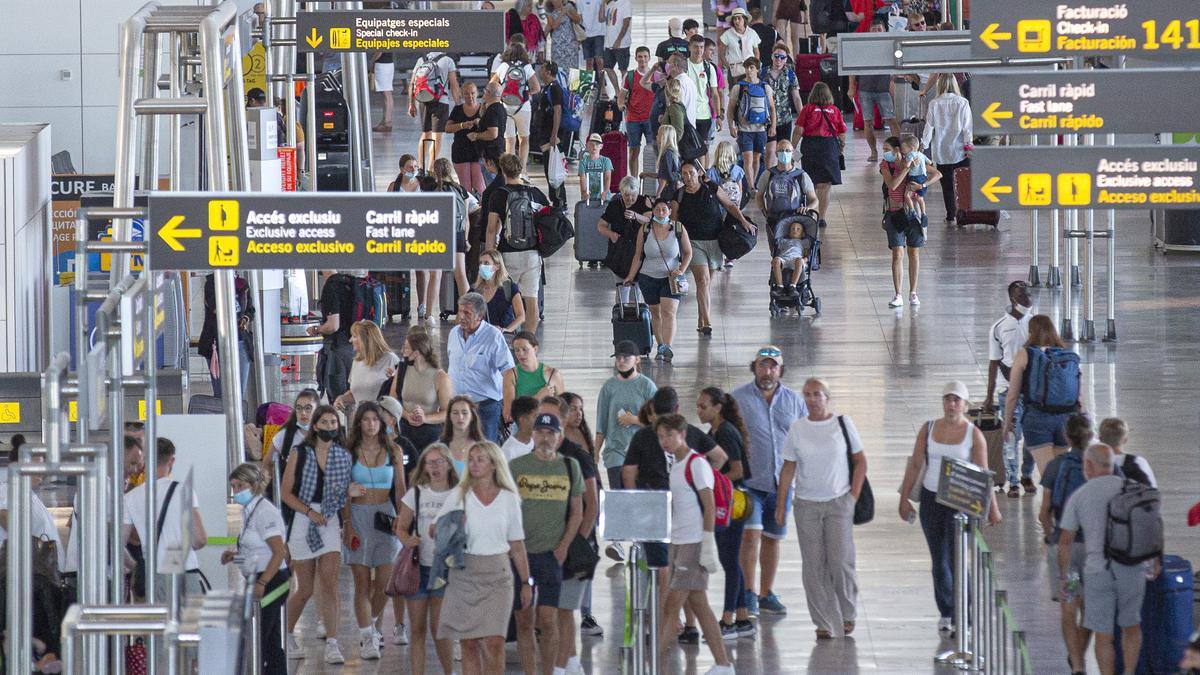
957 388
595 138
769 352
547 421
626 348
675 27
391 405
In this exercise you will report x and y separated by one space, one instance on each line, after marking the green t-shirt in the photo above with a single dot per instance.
546 492
594 170
617 395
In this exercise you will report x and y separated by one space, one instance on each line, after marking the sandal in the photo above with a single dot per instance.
848 627
381 127
824 635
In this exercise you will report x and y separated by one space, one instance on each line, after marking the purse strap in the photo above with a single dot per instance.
849 450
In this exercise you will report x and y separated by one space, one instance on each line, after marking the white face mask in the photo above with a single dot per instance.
1022 309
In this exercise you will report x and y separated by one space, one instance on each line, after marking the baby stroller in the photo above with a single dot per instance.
803 296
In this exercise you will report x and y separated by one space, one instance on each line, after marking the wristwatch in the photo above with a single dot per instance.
528 582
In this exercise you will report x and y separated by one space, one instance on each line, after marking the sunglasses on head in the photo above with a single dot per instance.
769 352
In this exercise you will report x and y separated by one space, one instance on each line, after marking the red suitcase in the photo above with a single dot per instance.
615 146
858 116
964 215
808 70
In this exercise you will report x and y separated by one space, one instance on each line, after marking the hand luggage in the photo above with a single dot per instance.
590 245
398 289
615 147
203 404
993 432
448 296
1166 617
606 117
631 319
964 214
808 70
859 124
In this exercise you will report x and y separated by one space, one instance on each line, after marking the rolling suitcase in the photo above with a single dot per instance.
203 404
808 70
398 289
448 296
1166 617
993 432
615 147
964 215
631 318
590 246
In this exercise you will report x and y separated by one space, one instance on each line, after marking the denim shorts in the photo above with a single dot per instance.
655 290
593 48
752 141
1043 428
636 131
919 180
909 233
869 100
422 592
762 516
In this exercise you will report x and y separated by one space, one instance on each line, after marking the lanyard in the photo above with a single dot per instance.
246 522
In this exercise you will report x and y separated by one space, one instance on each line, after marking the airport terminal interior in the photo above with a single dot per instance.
1126 302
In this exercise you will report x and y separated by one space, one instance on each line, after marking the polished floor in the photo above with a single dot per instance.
886 368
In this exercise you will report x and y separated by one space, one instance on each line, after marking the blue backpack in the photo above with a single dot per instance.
753 103
571 103
1052 379
1070 477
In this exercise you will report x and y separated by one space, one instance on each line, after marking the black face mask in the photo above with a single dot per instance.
327 435
627 373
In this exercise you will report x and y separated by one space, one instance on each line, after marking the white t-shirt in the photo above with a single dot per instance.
500 69
41 523
260 521
135 515
431 506
589 10
297 441
1006 338
738 48
704 77
491 527
687 517
616 12
1119 461
365 380
445 66
819 451
688 96
514 448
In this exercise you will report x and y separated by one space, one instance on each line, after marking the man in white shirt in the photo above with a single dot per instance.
708 93
434 84
170 533
618 36
1114 433
1007 337
677 69
522 414
595 26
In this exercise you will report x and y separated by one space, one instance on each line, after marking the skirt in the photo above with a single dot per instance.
479 599
819 159
331 537
375 548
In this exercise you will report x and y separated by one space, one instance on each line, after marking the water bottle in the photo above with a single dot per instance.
912 517
1072 586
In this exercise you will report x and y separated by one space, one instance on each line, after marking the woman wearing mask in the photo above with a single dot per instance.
1041 429
530 377
506 307
720 412
479 597
464 119
370 549
661 257
291 435
951 435
406 180
463 431
316 486
701 207
424 390
432 482
817 455
261 553
374 363
392 412
627 212
447 181
561 19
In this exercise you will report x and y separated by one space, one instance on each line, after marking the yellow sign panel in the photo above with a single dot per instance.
1074 189
72 411
223 215
10 413
339 38
223 251
254 68
1033 35
142 409
1034 189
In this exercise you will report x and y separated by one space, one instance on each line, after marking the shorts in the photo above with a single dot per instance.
331 537
638 130
686 572
422 592
1078 556
656 554
762 516
433 117
790 256
570 596
707 252
617 58
910 233
752 141
525 268
1113 597
654 289
783 132
375 548
385 74
518 122
869 100
918 180
1043 428
547 580
704 129
593 48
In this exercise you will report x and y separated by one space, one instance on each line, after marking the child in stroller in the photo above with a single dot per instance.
795 240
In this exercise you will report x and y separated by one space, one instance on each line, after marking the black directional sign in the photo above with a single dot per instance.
403 31
964 487
1082 101
1081 28
244 230
1138 178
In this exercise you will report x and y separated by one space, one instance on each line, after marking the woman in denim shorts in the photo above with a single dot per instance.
663 250
1040 428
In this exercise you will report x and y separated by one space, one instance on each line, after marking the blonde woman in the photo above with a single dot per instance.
668 161
728 174
675 113
479 597
505 305
433 480
948 135
374 363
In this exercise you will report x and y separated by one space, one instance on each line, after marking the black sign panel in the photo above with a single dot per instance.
1082 101
964 487
415 32
244 230
1138 177
1079 28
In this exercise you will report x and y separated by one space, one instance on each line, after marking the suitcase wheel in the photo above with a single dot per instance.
816 305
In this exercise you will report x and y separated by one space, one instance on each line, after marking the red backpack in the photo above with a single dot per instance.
722 492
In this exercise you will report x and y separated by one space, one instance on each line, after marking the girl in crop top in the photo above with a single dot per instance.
463 431
530 377
424 390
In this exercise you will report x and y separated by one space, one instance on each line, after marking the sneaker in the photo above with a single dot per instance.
589 626
378 636
333 655
720 670
421 311
745 628
368 649
399 635
615 552
896 301
690 635
751 603
574 667
1030 488
668 354
661 350
770 604
729 631
457 650
294 650
945 625
321 634
1013 490
913 299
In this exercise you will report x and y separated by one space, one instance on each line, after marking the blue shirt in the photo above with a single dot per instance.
477 364
768 427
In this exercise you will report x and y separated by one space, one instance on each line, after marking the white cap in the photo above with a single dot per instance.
675 27
957 388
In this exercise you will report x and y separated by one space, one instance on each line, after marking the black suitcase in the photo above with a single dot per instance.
333 171
203 404
631 321
398 287
606 117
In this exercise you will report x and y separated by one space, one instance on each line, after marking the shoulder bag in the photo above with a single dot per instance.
864 506
833 135
677 282
584 553
406 573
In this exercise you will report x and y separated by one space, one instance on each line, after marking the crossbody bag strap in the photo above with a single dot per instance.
846 437
570 482
162 514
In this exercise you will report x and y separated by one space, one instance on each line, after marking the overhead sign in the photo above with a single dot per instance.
964 487
917 52
311 230
1082 101
1080 28
414 32
1138 177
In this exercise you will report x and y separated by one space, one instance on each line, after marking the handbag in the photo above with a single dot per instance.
383 522
406 572
691 146
864 506
833 135
734 241
583 554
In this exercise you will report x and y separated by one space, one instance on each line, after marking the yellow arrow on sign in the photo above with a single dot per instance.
992 188
993 113
977 506
314 40
172 233
992 37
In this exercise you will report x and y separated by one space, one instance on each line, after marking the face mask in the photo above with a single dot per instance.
785 157
1022 309
908 157
889 156
662 219
302 427
243 497
626 373
390 430
486 272
327 434
408 175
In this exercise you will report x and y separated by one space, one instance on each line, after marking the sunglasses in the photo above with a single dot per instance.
780 56
769 352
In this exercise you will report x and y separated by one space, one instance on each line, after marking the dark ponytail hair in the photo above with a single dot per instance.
730 412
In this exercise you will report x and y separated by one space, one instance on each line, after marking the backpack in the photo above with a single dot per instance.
722 493
427 79
370 299
520 231
1070 477
1134 530
752 103
829 16
1131 470
516 85
1052 379
554 229
784 195
571 104
691 146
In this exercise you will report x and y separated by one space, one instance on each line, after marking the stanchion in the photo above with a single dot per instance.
1018 649
974 599
1002 642
961 655
637 581
987 625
